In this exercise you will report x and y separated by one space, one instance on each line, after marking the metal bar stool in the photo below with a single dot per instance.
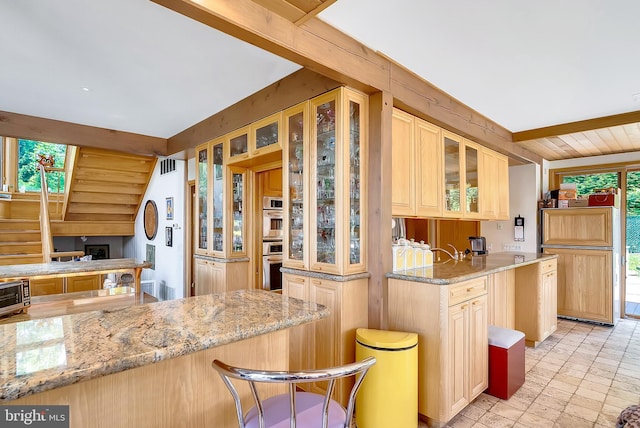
301 409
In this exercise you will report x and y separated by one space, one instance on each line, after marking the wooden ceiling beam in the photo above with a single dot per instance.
322 48
579 126
41 129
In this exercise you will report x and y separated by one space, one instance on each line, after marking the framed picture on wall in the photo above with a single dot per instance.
170 208
169 236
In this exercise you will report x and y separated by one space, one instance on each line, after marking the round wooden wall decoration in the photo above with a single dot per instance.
150 219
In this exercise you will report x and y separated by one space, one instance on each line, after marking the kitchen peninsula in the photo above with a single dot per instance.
451 304
149 365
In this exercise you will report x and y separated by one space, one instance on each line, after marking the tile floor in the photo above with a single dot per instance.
583 375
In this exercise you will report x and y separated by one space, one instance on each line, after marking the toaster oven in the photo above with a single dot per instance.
14 296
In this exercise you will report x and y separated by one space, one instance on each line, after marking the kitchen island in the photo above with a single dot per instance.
149 365
450 306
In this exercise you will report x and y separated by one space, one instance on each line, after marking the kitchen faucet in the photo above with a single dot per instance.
453 257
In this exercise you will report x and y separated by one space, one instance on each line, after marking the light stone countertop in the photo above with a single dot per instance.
69 268
452 271
44 354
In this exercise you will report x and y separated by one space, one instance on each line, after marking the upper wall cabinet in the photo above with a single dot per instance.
325 155
255 141
436 173
417 167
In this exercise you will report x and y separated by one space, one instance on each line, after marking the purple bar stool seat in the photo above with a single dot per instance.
294 409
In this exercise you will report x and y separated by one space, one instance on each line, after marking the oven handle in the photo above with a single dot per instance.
274 259
276 214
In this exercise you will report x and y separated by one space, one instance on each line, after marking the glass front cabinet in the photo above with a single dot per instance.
220 203
326 183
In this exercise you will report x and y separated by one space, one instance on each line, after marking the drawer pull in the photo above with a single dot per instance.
463 307
297 279
315 281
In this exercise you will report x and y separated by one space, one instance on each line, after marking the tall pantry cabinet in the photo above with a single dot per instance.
324 157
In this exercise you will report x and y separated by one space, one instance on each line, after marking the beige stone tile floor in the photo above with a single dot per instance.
583 375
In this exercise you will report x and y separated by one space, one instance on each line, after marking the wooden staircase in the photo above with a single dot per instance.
104 192
20 242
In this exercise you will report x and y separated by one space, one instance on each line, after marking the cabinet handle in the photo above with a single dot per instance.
463 307
475 303
297 279
316 282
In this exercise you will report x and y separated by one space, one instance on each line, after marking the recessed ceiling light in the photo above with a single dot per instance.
85 89
636 97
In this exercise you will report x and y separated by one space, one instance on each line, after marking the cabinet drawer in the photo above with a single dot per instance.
467 290
548 265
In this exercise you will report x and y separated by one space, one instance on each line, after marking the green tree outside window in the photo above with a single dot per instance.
28 175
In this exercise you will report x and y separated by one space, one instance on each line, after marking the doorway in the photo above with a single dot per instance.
632 234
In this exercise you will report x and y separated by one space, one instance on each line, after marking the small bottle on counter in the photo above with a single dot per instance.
410 258
428 254
399 255
418 252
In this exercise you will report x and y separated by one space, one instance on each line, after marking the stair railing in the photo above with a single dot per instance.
45 224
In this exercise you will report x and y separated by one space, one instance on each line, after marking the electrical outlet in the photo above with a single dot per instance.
499 226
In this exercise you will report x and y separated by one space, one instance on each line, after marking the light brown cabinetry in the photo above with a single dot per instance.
417 167
43 286
217 277
578 226
436 173
592 270
326 191
83 283
330 341
536 300
451 322
501 299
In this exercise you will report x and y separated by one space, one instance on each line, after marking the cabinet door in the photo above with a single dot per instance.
265 135
325 350
458 358
578 226
237 203
471 200
478 347
296 185
210 277
238 145
403 160
83 283
453 175
550 299
325 147
585 282
43 286
428 172
489 183
202 198
217 193
300 337
503 187
355 157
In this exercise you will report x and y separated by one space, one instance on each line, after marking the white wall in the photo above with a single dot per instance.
169 261
524 191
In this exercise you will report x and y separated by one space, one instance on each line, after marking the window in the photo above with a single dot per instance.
586 183
28 175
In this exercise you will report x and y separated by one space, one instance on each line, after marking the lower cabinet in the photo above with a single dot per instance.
452 359
83 283
537 300
501 299
44 286
330 341
217 276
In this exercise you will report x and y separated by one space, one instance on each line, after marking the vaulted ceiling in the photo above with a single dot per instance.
547 71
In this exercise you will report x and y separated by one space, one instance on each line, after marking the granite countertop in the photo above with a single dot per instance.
69 268
452 271
44 354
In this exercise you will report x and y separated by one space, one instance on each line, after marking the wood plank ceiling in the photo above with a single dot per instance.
602 136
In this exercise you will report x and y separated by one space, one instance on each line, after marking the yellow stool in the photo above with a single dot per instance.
388 396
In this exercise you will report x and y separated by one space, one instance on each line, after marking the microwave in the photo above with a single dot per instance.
14 296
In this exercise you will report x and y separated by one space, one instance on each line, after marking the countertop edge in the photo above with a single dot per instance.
420 274
21 386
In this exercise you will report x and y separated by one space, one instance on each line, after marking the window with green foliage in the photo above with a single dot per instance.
28 175
586 183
